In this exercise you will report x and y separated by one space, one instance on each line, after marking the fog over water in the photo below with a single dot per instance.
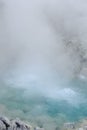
43 48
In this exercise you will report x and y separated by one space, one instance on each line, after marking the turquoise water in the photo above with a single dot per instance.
41 110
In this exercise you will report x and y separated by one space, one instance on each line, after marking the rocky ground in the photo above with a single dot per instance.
80 125
15 124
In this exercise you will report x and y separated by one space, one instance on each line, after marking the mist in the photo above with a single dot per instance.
43 45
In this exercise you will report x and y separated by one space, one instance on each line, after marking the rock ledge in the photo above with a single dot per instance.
15 124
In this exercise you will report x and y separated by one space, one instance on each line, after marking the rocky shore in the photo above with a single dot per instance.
15 124
79 125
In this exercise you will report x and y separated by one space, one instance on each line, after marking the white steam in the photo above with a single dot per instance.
42 42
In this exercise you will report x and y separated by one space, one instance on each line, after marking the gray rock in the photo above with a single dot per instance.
85 127
69 125
28 127
13 126
20 125
17 124
2 126
6 121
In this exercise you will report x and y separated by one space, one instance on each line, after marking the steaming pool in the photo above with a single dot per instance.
43 61
48 111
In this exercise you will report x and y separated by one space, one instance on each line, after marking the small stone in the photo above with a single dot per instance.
28 127
38 128
80 129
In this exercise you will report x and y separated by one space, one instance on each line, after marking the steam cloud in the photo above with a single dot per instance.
42 42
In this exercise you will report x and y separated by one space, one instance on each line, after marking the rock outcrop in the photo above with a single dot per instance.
17 124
